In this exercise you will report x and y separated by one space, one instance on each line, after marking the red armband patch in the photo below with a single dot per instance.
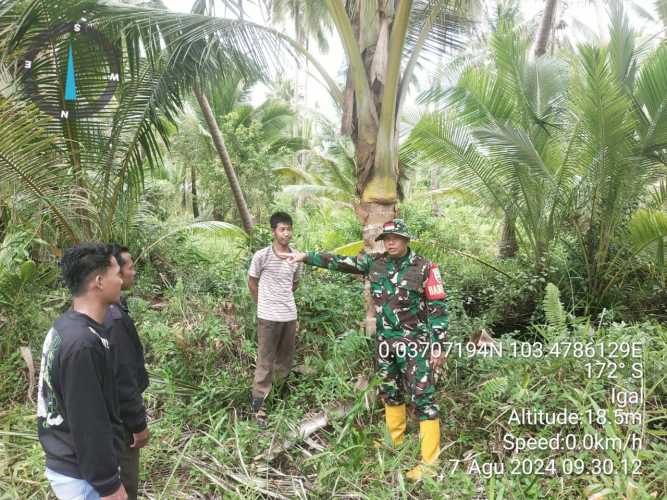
433 288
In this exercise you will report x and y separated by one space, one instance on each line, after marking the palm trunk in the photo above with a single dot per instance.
193 190
3 224
299 99
370 111
219 142
372 216
508 245
546 27
184 191
435 185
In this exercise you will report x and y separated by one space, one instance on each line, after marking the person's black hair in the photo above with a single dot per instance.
279 217
118 251
80 262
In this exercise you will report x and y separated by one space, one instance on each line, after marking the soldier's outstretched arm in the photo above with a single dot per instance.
361 264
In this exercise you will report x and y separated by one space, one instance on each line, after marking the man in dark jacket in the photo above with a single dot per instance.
131 376
77 411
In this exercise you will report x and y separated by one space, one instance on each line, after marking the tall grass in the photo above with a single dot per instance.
197 322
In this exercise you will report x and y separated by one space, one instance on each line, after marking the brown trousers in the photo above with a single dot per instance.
275 352
129 469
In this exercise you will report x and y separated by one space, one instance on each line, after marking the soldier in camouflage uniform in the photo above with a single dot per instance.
411 320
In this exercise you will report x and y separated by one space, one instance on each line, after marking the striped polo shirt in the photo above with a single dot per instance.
276 276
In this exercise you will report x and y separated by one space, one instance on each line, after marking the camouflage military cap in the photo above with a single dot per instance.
396 226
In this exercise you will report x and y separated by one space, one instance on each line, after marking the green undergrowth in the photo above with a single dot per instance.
196 319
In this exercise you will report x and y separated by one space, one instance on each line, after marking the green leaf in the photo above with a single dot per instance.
27 270
648 227
350 249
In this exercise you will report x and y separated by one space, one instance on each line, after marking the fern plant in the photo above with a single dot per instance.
553 309
492 389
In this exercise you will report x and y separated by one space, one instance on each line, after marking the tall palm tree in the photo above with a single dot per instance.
310 21
270 126
309 18
204 7
207 7
221 148
383 42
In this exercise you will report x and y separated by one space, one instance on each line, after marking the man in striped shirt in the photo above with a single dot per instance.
272 281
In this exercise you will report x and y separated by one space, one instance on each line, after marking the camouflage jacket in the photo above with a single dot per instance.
401 306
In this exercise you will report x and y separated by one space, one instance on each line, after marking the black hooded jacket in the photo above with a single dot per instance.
78 417
131 375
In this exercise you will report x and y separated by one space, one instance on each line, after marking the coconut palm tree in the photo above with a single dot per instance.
383 42
310 21
269 125
164 55
308 17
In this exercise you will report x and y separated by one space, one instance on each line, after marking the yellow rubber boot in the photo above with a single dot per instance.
395 417
429 437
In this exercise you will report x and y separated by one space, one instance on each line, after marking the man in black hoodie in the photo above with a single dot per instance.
77 411
131 376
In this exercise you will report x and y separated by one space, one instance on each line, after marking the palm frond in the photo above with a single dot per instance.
310 17
622 48
30 159
295 174
651 94
162 55
647 228
439 139
439 34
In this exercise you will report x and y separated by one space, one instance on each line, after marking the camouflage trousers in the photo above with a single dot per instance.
403 367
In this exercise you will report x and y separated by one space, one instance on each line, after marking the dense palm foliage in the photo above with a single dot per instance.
104 156
258 139
570 145
325 171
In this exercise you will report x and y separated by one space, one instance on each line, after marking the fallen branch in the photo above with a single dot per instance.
26 354
306 429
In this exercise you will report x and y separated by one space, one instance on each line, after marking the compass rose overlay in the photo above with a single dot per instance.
71 105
